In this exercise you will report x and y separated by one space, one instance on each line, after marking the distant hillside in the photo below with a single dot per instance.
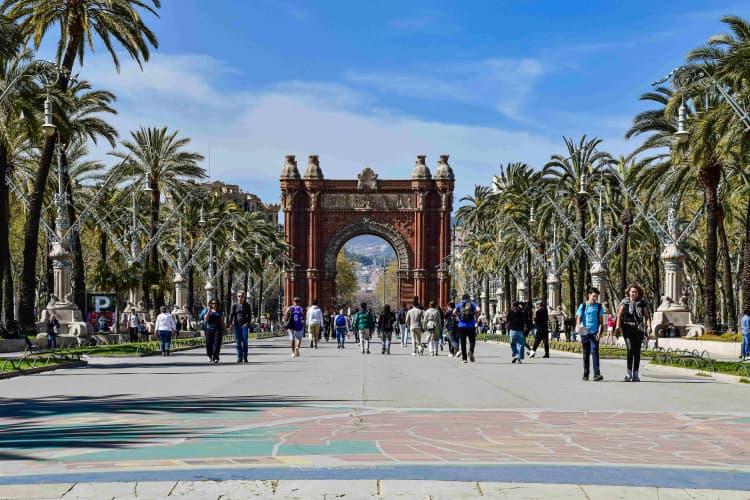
368 249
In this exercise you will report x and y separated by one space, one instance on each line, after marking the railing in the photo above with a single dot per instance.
32 360
685 358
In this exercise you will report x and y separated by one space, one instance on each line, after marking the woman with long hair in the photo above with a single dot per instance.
634 321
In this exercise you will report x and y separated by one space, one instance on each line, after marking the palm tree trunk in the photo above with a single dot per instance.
726 273
27 293
709 177
746 264
582 267
153 257
4 223
8 290
507 286
103 251
626 219
571 288
656 276
230 282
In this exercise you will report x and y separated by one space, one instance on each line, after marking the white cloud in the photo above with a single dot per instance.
505 84
249 132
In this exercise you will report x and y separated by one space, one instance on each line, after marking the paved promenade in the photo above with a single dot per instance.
371 421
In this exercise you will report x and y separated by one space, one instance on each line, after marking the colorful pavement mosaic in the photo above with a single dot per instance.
183 436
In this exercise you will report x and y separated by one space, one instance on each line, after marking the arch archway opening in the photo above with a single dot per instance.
366 271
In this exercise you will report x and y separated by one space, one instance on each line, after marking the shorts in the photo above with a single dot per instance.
295 334
364 333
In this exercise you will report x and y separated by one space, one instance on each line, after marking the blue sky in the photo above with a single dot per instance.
377 83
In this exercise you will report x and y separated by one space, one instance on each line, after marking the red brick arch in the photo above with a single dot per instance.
412 215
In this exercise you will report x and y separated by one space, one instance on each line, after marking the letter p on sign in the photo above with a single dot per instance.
101 302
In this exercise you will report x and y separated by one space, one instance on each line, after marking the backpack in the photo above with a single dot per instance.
450 321
401 316
467 313
288 319
341 320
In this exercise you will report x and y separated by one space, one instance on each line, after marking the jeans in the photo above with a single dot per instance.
165 339
340 334
240 336
52 341
542 336
364 337
633 338
213 343
453 340
469 332
517 343
590 350
133 331
746 344
404 334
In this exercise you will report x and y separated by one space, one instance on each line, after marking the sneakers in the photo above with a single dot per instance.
532 354
598 378
465 361
635 377
546 356
471 357
294 354
414 353
296 351
585 378
515 358
628 376
520 361
244 360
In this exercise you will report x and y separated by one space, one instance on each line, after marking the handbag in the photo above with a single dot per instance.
431 325
582 330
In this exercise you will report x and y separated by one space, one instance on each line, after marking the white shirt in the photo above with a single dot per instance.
165 321
314 316
134 321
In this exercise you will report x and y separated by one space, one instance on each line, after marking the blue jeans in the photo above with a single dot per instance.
240 337
590 349
745 344
340 334
517 343
51 341
165 338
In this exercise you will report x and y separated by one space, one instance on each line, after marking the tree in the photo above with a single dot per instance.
158 162
346 281
80 23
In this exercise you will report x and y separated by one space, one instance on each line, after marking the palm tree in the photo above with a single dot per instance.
566 172
17 100
10 38
80 23
158 161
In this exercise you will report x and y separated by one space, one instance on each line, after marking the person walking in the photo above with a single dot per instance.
53 326
340 323
516 324
134 325
386 322
214 327
634 320
165 327
294 322
589 324
364 323
327 322
401 319
239 318
431 325
314 323
413 324
745 329
467 312
451 330
541 323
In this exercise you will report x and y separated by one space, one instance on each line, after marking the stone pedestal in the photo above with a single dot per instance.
522 290
599 278
553 291
673 309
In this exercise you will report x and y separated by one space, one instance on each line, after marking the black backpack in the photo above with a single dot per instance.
467 313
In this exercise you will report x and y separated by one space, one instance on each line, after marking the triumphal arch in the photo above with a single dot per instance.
413 215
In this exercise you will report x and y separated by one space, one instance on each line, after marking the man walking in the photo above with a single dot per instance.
401 319
314 323
295 325
467 312
364 324
589 321
745 328
134 325
541 323
239 318
431 325
385 326
413 320
516 324
451 330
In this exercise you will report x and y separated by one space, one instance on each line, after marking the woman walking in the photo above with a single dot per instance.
340 323
431 325
634 321
165 326
214 321
386 321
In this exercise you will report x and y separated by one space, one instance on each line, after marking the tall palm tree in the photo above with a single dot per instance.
158 162
10 38
17 100
80 23
566 171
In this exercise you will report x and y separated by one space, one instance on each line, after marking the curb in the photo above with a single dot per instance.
42 369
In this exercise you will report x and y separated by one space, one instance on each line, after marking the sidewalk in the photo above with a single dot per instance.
227 490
